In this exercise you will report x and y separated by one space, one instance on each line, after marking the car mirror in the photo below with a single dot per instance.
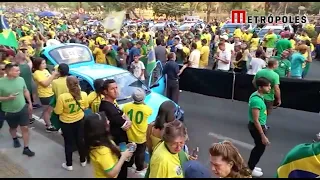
154 85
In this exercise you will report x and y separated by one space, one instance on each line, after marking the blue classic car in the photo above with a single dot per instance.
82 65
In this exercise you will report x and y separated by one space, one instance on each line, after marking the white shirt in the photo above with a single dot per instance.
194 58
225 55
137 69
256 64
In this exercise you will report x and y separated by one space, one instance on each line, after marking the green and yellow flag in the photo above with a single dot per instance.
8 38
303 161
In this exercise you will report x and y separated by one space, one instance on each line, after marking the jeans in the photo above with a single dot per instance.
259 148
2 115
138 157
73 132
173 90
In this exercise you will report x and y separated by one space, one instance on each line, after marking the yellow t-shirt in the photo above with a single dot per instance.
101 41
147 36
164 164
204 58
91 44
43 75
186 50
304 38
138 114
59 86
237 33
102 160
254 43
94 101
199 45
6 61
293 43
28 39
100 56
247 37
208 38
67 108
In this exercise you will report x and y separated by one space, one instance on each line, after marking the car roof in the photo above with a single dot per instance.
97 71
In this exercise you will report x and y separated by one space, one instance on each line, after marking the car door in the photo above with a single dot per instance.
157 80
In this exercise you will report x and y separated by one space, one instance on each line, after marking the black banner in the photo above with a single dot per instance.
295 93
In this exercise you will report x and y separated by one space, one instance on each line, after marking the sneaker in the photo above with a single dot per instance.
258 169
256 173
28 152
18 135
142 172
51 129
32 120
83 164
36 106
69 168
16 143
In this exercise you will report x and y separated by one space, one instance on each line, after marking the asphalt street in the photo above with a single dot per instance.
210 120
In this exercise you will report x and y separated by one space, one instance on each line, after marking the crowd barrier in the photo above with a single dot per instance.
295 93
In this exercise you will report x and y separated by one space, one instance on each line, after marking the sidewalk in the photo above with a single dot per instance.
45 164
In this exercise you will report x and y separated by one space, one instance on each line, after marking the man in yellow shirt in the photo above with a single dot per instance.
204 54
138 112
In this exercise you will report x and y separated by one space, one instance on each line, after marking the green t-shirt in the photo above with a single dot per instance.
257 102
12 86
281 45
284 66
273 77
271 40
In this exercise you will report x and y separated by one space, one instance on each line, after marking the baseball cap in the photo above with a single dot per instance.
138 95
194 169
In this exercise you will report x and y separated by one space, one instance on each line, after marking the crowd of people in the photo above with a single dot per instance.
114 139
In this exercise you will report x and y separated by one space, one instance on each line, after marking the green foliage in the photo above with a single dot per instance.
170 9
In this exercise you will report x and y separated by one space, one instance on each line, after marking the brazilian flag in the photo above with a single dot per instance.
303 161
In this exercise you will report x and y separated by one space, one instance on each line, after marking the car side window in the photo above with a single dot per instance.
156 74
85 86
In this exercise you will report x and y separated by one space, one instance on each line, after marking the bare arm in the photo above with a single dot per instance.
255 115
26 94
277 92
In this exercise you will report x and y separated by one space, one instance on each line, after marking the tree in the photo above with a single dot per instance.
170 9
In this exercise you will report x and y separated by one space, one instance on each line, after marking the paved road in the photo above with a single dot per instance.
212 119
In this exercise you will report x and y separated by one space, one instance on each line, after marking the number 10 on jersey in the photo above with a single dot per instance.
137 116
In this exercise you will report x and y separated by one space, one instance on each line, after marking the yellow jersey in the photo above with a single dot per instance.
254 43
199 45
164 164
186 50
67 108
100 56
102 160
204 58
94 101
39 76
138 114
59 86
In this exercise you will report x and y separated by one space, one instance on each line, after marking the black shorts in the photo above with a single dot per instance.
20 118
45 100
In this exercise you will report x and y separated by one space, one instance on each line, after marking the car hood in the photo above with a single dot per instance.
153 100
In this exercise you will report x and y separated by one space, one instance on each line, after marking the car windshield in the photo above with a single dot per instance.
71 54
127 84
232 28
185 27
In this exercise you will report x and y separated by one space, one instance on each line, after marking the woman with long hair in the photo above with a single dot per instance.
226 161
70 107
101 151
43 79
95 97
154 131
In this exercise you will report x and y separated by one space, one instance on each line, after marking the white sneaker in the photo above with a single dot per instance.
19 135
256 173
69 168
83 164
142 172
258 169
